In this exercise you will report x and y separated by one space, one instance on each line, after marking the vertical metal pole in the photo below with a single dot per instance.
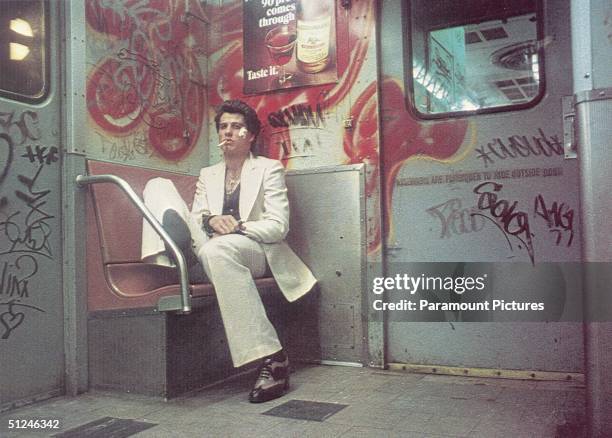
71 59
593 111
594 133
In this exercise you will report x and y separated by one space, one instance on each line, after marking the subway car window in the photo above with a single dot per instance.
475 55
23 51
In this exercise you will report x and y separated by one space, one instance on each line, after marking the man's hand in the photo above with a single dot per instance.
224 224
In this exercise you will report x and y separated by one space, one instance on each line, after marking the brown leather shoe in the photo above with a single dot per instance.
273 380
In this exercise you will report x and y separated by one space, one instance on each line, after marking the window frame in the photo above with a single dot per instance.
407 7
46 66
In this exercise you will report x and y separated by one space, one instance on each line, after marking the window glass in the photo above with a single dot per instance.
474 55
23 52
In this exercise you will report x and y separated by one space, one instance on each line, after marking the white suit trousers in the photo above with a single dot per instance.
230 262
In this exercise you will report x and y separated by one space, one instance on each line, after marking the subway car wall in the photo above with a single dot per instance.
456 115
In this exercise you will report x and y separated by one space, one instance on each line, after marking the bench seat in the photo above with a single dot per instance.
117 278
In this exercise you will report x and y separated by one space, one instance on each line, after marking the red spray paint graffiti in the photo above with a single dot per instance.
403 138
150 78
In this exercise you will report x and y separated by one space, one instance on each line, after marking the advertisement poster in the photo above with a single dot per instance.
288 43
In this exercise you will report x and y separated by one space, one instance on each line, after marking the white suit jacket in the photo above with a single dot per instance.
264 209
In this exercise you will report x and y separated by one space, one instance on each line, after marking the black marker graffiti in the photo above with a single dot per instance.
454 219
297 115
520 146
10 319
160 86
291 149
21 130
126 148
559 218
35 237
6 152
502 213
25 230
42 155
14 277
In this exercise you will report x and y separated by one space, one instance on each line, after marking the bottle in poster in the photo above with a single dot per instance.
314 20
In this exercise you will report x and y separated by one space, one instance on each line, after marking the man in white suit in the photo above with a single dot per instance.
236 228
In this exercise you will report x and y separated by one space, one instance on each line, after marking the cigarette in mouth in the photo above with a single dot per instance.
241 134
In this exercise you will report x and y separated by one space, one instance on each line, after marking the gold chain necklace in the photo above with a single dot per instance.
231 182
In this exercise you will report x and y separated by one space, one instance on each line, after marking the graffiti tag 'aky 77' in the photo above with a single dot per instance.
514 222
559 219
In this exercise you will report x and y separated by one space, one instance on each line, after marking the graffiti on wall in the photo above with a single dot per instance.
455 219
519 146
125 148
147 81
25 220
6 153
505 214
516 220
513 216
146 87
406 139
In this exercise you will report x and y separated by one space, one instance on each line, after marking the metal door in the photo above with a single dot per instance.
31 302
476 176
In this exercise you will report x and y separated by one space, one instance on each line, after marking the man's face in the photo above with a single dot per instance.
230 125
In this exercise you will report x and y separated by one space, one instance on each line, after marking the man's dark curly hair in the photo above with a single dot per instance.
239 107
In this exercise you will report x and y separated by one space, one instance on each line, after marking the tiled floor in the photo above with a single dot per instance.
380 404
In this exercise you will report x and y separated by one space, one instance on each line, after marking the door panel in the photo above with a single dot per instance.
475 173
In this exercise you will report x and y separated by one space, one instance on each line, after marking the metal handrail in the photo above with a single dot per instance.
82 180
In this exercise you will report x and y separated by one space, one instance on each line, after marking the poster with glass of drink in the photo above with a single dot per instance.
288 43
280 41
